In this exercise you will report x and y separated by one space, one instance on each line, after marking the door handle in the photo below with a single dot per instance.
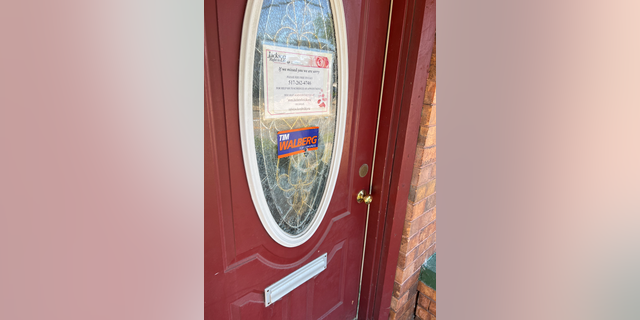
364 197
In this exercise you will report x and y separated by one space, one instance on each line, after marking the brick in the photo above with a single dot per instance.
427 230
427 291
421 313
408 243
428 115
406 228
422 288
415 209
392 315
422 136
423 301
404 244
430 138
427 136
432 117
400 301
431 215
423 235
433 171
400 289
410 304
431 251
431 227
432 308
417 257
394 303
411 238
429 317
429 92
403 274
422 249
412 255
425 156
421 175
400 305
425 116
417 193
430 187
413 242
415 226
421 259
411 227
429 240
407 314
431 202
404 259
396 290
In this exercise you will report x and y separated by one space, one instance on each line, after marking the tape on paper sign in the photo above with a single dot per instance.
296 141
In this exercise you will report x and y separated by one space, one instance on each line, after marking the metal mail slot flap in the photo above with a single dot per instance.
287 284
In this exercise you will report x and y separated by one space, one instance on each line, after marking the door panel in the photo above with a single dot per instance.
241 259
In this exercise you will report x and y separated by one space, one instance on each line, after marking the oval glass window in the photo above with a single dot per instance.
292 103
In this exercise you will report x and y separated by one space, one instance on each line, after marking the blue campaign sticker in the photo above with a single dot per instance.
296 141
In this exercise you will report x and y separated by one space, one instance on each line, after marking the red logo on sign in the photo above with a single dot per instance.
321 100
322 62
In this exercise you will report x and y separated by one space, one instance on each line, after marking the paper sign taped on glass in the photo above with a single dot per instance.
297 82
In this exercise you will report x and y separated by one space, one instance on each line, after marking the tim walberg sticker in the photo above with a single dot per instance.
296 141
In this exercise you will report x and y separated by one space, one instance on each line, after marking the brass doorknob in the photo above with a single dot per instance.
364 197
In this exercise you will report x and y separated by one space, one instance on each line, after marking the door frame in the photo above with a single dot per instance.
411 36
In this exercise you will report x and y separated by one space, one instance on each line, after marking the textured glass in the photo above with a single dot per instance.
294 185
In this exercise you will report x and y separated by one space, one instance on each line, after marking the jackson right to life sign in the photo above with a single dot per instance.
297 82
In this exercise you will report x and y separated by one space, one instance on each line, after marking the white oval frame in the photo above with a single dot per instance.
245 101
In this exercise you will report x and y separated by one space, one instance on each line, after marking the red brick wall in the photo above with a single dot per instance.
419 234
426 305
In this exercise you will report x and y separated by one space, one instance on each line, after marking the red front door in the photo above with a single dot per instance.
241 258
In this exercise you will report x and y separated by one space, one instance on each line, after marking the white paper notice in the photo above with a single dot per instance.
297 82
